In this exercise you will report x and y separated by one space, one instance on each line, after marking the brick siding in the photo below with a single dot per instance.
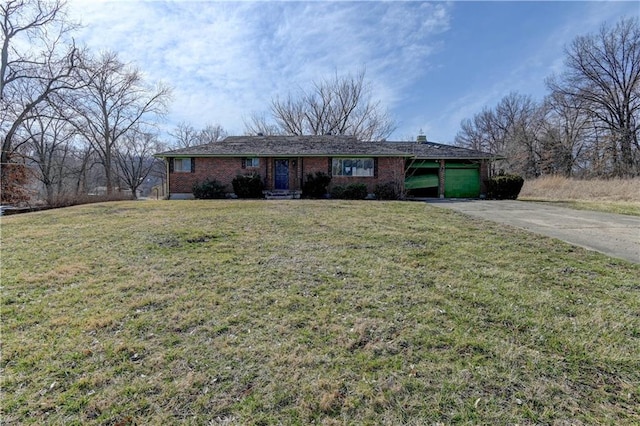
222 169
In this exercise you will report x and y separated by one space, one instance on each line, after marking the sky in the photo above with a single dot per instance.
430 64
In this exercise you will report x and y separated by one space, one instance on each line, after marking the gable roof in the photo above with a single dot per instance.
321 146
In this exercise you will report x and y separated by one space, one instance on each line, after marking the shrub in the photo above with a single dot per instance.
504 187
66 200
386 191
337 191
248 186
354 191
15 178
315 186
209 189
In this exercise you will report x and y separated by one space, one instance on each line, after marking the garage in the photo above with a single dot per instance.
438 171
461 180
422 178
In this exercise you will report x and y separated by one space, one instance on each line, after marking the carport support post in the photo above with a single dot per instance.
441 180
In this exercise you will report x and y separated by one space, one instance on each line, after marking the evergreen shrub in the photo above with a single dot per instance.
386 191
248 186
353 191
208 190
504 187
315 186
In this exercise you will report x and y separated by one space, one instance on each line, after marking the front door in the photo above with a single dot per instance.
282 174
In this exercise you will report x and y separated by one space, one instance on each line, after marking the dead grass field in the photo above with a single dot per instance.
612 195
309 312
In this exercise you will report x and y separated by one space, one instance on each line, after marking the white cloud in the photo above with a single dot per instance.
225 60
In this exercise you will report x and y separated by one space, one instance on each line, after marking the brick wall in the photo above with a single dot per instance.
221 169
225 169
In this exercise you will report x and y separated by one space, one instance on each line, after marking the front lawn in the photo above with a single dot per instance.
309 312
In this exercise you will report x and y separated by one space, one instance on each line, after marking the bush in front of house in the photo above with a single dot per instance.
504 187
353 191
315 186
386 191
248 186
209 190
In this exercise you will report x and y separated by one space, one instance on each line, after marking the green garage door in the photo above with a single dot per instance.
421 181
462 182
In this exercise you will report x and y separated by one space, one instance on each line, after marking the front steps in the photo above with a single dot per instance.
281 195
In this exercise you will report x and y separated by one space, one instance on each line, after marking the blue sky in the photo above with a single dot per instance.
431 64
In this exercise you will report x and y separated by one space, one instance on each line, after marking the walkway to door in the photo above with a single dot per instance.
612 234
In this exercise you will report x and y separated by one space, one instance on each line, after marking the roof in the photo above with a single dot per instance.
321 146
432 150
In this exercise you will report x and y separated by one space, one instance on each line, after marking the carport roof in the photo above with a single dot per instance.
321 146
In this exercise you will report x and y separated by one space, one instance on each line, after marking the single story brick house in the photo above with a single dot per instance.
422 168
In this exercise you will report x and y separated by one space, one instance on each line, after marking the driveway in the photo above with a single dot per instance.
612 234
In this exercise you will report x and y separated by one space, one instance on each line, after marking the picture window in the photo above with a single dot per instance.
352 167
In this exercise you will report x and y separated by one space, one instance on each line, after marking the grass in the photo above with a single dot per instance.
309 312
620 196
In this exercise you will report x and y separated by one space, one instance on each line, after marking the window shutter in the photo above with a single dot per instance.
193 165
170 165
244 163
330 161
375 167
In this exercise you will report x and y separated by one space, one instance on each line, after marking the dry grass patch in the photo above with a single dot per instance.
309 312
608 195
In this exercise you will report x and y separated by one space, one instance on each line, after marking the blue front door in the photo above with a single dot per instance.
282 174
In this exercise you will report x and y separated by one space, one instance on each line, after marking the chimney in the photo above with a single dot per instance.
422 138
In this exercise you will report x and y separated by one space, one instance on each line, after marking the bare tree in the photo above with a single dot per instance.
49 149
185 135
566 135
603 78
512 128
135 158
258 124
35 64
84 162
523 121
342 105
212 133
481 133
114 101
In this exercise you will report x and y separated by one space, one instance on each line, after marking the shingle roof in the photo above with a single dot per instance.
440 151
296 146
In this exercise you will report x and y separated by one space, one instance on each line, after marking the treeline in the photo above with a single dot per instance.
587 125
73 122
78 124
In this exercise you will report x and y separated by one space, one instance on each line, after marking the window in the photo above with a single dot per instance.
182 165
352 167
253 162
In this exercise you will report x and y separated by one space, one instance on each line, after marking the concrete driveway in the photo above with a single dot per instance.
612 234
